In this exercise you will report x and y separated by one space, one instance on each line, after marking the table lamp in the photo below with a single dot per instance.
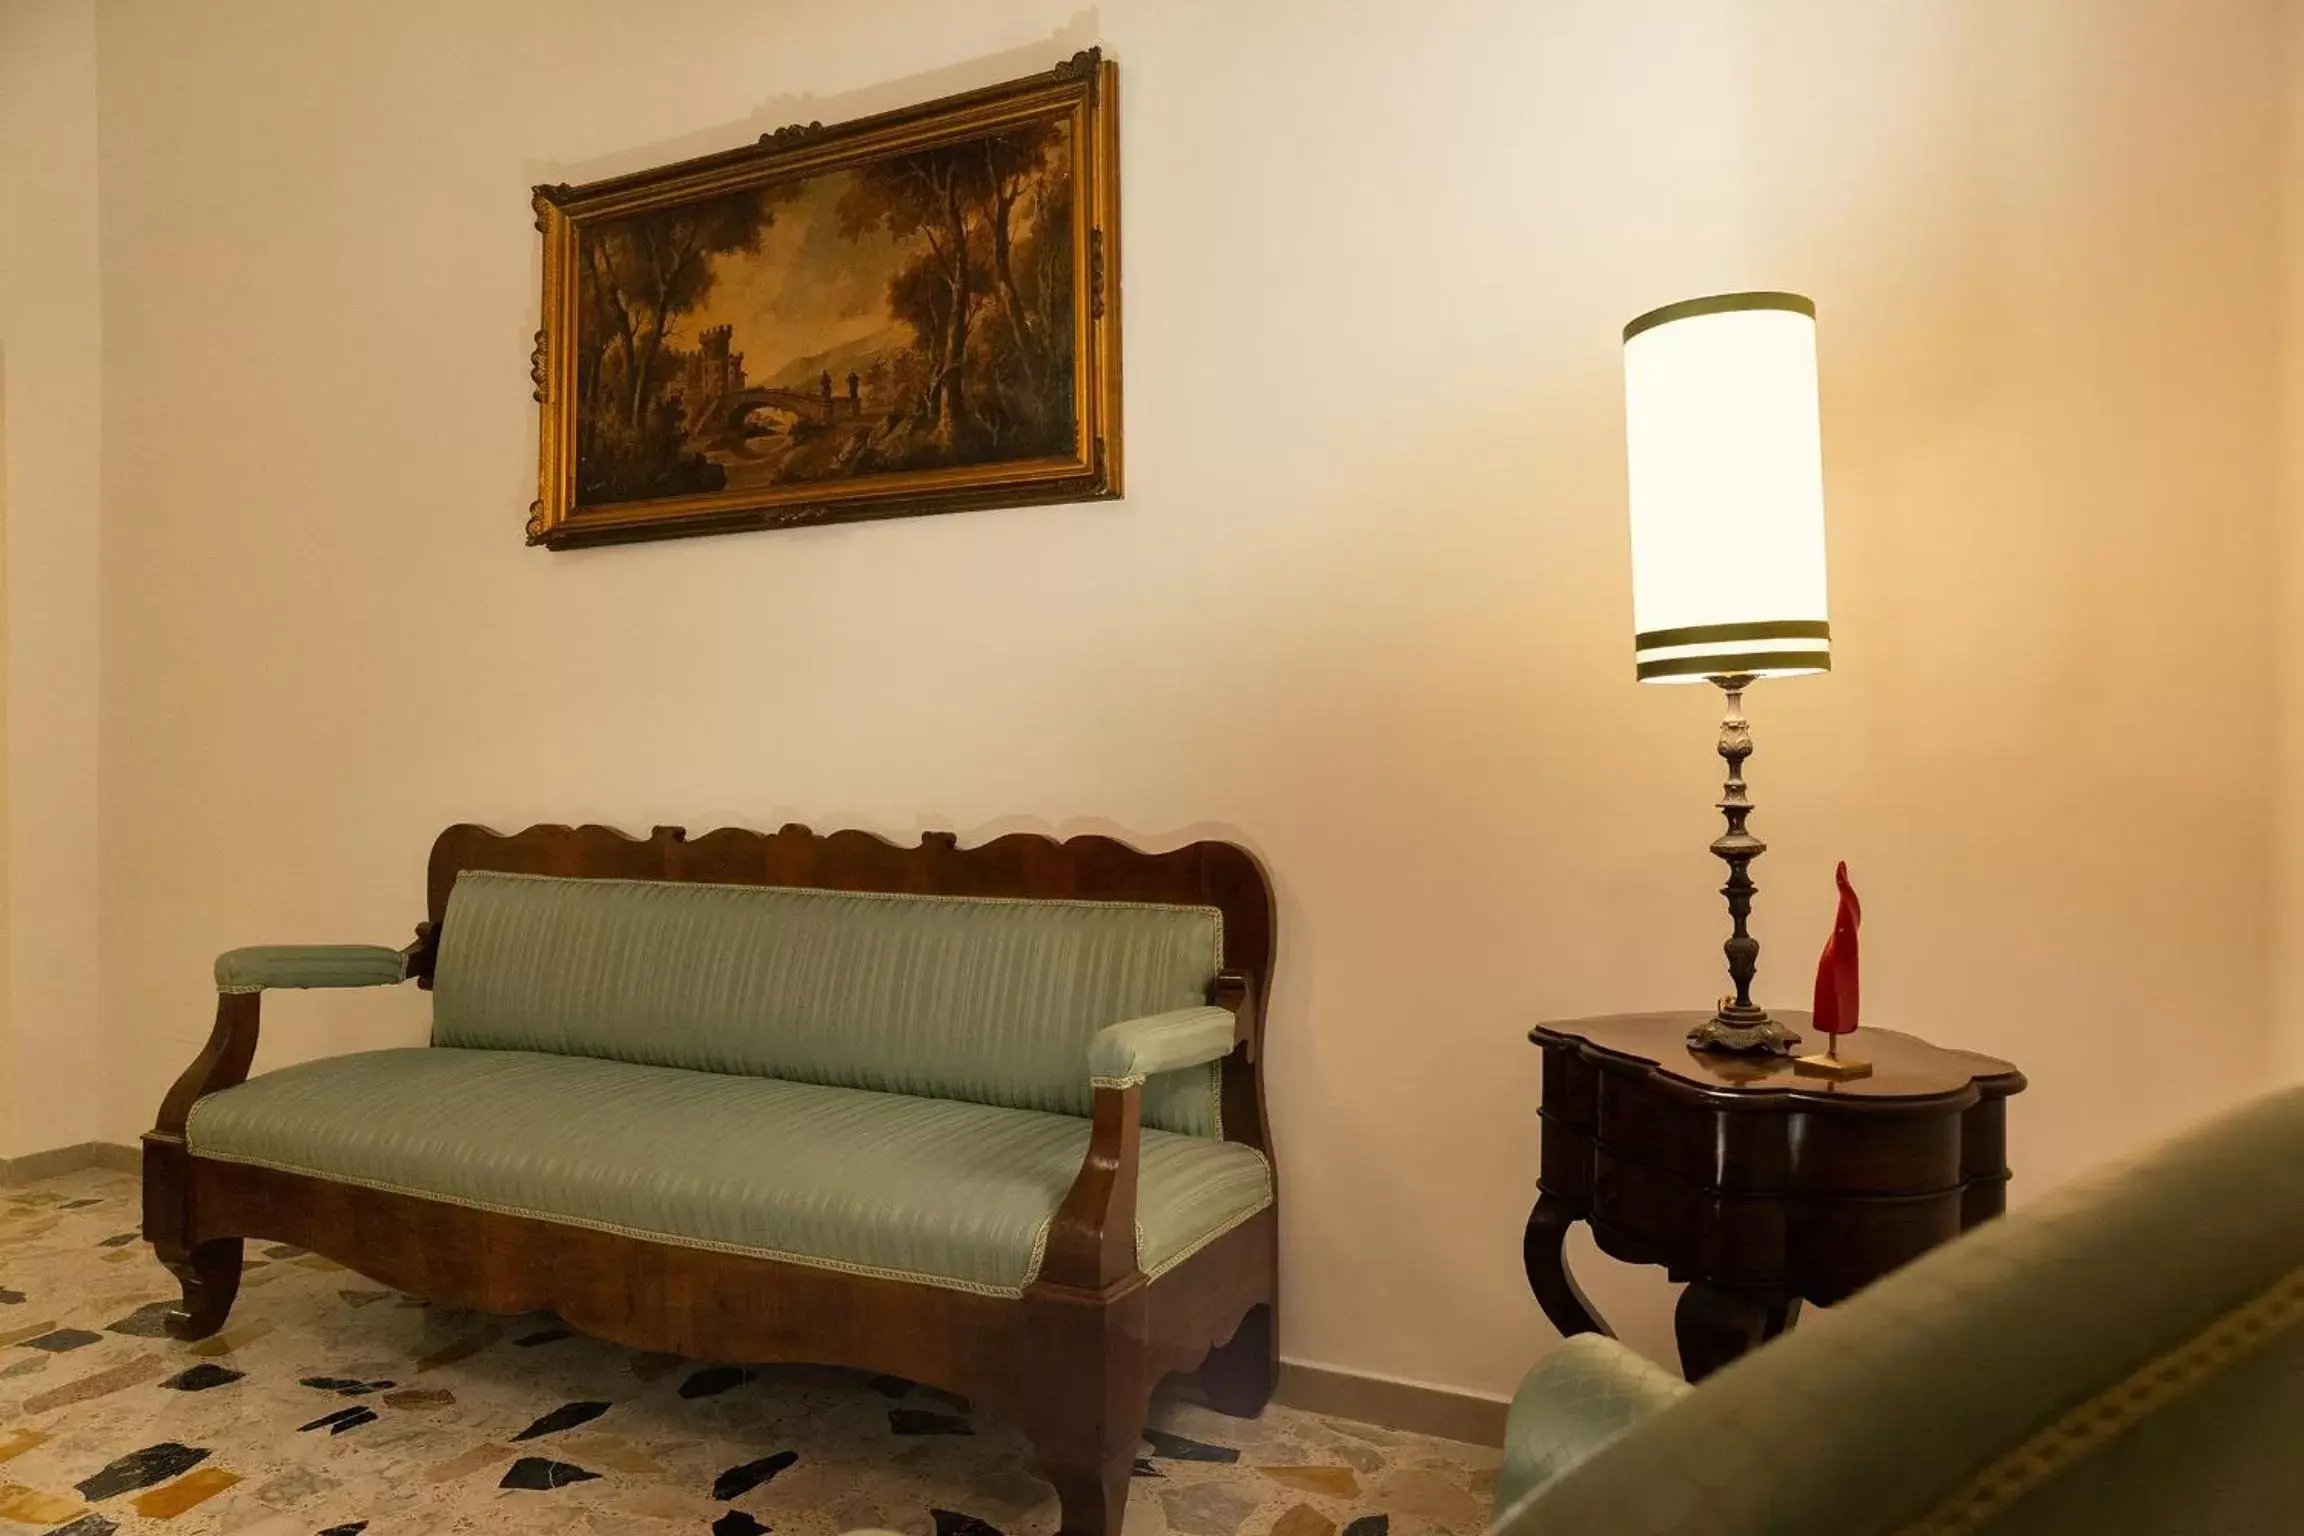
1727 497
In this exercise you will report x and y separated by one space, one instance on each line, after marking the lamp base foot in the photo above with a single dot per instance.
1746 1030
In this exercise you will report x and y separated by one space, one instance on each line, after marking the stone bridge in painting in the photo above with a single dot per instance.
814 406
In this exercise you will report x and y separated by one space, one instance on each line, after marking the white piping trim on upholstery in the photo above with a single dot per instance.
1198 1243
741 1250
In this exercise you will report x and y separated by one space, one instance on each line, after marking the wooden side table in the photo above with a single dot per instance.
1759 1188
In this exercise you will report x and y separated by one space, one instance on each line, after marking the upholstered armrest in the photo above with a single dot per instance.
309 965
1578 1398
1123 1055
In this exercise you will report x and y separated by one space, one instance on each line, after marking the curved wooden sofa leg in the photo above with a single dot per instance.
1093 1499
210 1277
1086 1399
1240 1374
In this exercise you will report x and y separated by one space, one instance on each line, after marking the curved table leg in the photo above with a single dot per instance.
1543 1252
1715 1325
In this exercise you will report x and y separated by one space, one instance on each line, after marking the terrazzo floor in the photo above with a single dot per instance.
331 1406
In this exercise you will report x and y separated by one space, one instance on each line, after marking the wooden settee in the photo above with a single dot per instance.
962 1049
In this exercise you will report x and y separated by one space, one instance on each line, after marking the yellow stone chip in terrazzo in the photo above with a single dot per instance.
466 1463
34 1507
239 1336
101 1384
418 1399
171 1499
607 1451
19 1335
17 1441
1303 1520
1338 1482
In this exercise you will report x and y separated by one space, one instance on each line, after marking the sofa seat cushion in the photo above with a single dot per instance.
935 1190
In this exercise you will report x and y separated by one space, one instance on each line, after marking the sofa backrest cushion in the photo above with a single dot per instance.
988 999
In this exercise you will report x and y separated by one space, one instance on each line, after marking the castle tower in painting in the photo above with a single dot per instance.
714 370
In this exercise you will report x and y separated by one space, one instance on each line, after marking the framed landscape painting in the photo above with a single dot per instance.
913 312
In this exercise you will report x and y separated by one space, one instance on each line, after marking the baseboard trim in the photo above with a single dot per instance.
1392 1402
88 1154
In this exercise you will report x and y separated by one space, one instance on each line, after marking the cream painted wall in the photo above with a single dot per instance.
1365 607
50 342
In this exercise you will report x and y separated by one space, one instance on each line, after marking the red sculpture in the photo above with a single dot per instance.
1836 1001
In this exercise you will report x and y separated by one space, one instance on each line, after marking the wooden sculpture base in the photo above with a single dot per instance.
1832 1064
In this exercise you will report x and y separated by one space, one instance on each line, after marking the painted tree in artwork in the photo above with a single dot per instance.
987 294
925 197
637 276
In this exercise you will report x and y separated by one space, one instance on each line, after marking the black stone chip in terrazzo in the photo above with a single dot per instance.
566 1416
950 1522
345 1386
146 1322
86 1525
919 1421
74 1205
714 1380
739 1481
349 1528
141 1469
889 1386
1183 1448
548 1336
738 1523
10 1298
951 1400
341 1420
120 1240
203 1376
63 1339
1144 1468
1370 1525
363 1298
536 1473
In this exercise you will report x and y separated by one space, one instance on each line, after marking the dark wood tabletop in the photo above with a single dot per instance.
1758 1187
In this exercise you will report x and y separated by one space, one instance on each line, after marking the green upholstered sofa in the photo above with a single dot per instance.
987 1118
2123 1356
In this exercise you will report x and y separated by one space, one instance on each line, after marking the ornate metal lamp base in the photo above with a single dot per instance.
1741 1024
1747 1029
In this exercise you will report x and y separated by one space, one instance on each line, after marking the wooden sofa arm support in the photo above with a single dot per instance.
1092 1240
224 1061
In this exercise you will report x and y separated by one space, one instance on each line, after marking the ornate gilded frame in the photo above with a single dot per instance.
1083 89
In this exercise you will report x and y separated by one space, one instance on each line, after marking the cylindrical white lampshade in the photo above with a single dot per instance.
1727 489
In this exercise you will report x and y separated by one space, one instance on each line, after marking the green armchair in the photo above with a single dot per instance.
2125 1355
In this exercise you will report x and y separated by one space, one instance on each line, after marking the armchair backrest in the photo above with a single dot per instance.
2123 1355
